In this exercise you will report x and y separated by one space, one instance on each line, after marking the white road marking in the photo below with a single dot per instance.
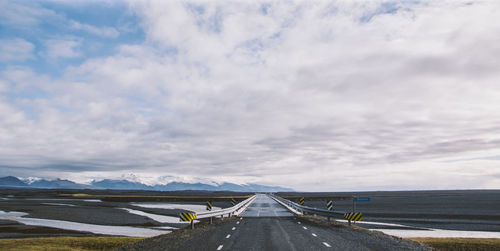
241 218
227 236
314 235
326 244
305 228
233 228
298 222
237 222
220 247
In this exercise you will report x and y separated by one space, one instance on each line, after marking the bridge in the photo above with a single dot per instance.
268 225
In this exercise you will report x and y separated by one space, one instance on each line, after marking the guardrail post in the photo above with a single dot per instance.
211 220
328 218
192 224
349 222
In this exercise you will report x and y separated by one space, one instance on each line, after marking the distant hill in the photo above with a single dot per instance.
57 183
119 185
11 181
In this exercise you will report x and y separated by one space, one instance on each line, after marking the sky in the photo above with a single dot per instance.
336 95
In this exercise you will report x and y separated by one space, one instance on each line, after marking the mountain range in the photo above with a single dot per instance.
11 181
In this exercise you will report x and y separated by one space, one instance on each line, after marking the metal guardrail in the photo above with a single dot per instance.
234 210
230 211
300 209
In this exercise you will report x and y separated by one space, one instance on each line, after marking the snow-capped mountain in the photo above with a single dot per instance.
123 184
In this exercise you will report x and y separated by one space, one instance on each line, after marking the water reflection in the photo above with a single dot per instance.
84 227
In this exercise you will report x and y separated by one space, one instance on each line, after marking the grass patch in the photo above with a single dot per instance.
67 243
460 244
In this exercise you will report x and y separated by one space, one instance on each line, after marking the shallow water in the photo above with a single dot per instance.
156 217
439 233
59 204
191 207
92 200
75 226
428 232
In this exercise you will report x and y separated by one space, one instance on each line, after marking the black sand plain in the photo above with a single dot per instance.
94 208
477 210
455 210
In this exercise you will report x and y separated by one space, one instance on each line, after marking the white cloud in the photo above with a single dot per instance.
27 14
16 50
62 48
343 95
99 31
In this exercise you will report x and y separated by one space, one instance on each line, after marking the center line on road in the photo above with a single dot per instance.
298 222
227 236
305 228
220 247
237 222
314 235
326 244
233 228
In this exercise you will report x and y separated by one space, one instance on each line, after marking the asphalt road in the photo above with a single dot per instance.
264 206
266 225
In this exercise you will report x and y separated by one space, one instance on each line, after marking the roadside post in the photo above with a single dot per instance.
209 208
329 206
188 217
358 199
301 200
353 217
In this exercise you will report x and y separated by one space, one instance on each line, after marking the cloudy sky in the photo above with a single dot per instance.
314 95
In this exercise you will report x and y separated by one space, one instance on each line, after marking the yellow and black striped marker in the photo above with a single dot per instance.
353 216
187 216
209 205
233 201
301 200
329 205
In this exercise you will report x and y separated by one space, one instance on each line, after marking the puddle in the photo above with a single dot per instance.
429 232
69 225
156 217
166 227
380 224
439 233
191 207
58 204
92 200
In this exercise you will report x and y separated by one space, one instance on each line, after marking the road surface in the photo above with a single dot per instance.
264 206
266 225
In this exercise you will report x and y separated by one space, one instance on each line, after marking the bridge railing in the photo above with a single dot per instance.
300 209
234 210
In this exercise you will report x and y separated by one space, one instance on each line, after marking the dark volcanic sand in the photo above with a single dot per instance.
455 210
34 202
